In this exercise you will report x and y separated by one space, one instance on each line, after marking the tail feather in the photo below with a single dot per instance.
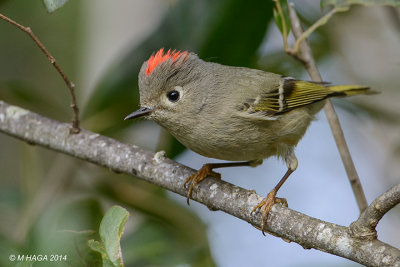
292 94
350 90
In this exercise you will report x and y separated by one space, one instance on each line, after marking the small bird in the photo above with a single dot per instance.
231 113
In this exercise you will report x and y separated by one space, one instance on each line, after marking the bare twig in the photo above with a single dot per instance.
309 63
212 192
364 227
285 34
294 52
284 26
70 85
313 27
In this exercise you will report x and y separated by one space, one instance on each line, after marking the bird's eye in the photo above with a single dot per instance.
173 96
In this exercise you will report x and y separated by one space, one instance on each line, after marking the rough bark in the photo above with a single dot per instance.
214 193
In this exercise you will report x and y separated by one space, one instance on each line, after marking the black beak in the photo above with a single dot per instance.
143 111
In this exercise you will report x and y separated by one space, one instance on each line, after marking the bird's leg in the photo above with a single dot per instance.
266 204
207 170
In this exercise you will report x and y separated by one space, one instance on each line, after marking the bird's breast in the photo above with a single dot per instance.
225 133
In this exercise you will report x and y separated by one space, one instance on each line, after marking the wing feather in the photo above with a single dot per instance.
291 94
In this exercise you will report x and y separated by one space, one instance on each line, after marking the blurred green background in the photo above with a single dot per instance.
51 203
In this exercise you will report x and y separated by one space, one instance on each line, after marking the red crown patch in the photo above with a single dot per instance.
160 57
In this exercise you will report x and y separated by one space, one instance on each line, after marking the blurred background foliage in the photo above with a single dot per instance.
53 203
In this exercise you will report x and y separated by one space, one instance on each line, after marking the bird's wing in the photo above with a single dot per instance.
269 95
290 94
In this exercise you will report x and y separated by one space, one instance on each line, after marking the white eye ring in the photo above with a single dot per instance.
180 90
175 95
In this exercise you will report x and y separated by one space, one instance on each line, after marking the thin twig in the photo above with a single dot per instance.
284 28
212 192
285 34
75 120
311 67
364 227
311 29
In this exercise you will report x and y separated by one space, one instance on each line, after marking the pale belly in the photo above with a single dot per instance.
236 152
251 141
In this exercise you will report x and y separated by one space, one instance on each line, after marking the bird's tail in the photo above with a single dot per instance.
350 90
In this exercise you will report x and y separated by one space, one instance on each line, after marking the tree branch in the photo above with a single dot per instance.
309 63
364 227
304 35
214 193
70 85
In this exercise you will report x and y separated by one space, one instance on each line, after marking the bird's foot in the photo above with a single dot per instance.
266 204
199 176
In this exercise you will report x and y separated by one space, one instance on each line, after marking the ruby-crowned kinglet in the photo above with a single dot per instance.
231 113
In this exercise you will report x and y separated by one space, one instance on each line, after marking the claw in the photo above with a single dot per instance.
199 176
265 207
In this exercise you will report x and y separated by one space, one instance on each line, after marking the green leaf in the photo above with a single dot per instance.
111 229
169 225
52 5
344 5
96 246
286 18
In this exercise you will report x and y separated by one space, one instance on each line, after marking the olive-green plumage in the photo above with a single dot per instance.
232 113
